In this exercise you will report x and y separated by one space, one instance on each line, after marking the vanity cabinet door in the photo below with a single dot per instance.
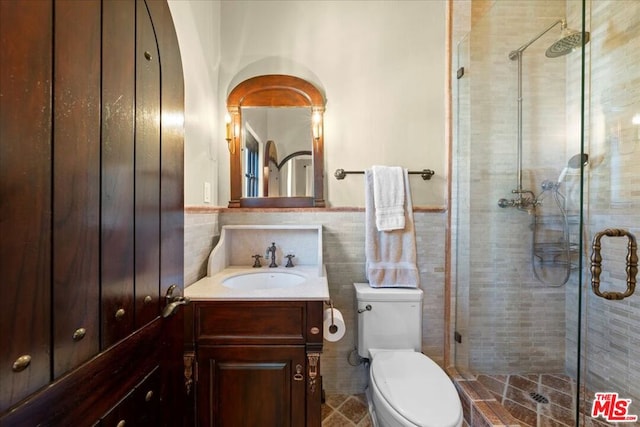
251 386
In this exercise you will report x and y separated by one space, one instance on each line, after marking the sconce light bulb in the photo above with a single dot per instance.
227 121
636 119
228 133
316 119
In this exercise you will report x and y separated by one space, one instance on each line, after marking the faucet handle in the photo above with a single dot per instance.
256 263
289 263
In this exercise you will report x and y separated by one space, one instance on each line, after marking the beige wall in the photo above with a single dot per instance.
382 68
198 26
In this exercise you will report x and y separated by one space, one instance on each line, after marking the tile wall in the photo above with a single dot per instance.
343 238
509 321
201 233
512 324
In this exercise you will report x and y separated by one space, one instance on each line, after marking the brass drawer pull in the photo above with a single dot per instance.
631 269
298 375
79 334
21 363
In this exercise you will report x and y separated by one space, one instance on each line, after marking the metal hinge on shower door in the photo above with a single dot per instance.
631 268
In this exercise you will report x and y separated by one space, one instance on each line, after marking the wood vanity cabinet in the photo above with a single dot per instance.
257 363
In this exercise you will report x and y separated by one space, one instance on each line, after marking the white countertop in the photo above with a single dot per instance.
315 287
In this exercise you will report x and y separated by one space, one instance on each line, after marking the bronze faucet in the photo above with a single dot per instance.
256 263
272 249
289 263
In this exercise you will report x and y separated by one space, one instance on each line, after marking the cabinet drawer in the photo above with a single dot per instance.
250 322
140 407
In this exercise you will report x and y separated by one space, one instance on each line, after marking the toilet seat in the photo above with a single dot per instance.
416 388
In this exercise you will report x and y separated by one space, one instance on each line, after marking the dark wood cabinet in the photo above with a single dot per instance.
91 213
257 363
140 407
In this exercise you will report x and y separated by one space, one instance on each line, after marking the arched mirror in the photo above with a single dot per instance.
276 143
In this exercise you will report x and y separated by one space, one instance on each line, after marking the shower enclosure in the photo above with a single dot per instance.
546 201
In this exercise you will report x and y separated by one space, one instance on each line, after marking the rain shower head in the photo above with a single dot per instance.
575 162
570 41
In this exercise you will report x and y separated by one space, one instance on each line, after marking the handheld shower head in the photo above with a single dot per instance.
563 174
575 162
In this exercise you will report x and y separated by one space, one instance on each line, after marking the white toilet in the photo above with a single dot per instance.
406 388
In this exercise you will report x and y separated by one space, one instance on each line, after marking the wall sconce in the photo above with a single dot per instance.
636 121
229 134
316 124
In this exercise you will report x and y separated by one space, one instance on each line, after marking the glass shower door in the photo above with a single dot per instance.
610 350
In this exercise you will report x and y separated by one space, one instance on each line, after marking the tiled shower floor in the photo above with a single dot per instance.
537 400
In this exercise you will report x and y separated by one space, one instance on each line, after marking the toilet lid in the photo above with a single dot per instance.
417 388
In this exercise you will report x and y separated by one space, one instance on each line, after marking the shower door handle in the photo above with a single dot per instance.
631 269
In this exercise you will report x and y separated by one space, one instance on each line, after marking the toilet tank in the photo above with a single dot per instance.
393 322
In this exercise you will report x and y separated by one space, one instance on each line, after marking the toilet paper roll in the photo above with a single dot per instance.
333 331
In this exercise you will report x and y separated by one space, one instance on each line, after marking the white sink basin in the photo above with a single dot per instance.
263 280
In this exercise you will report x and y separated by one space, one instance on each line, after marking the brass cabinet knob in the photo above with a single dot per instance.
148 299
21 363
148 396
120 313
79 334
121 423
147 55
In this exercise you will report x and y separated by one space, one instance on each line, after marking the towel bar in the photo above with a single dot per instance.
426 174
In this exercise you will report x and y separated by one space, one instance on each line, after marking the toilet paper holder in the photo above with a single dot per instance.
332 328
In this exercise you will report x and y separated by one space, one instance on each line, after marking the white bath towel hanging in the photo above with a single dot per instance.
390 255
388 197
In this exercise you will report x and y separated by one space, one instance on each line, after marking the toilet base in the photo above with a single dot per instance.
372 409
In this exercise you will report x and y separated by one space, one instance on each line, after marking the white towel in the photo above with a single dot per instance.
388 197
390 255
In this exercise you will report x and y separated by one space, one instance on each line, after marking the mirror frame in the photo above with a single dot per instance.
269 150
275 90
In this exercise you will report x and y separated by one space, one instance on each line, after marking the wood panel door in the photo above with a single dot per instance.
91 210
25 197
